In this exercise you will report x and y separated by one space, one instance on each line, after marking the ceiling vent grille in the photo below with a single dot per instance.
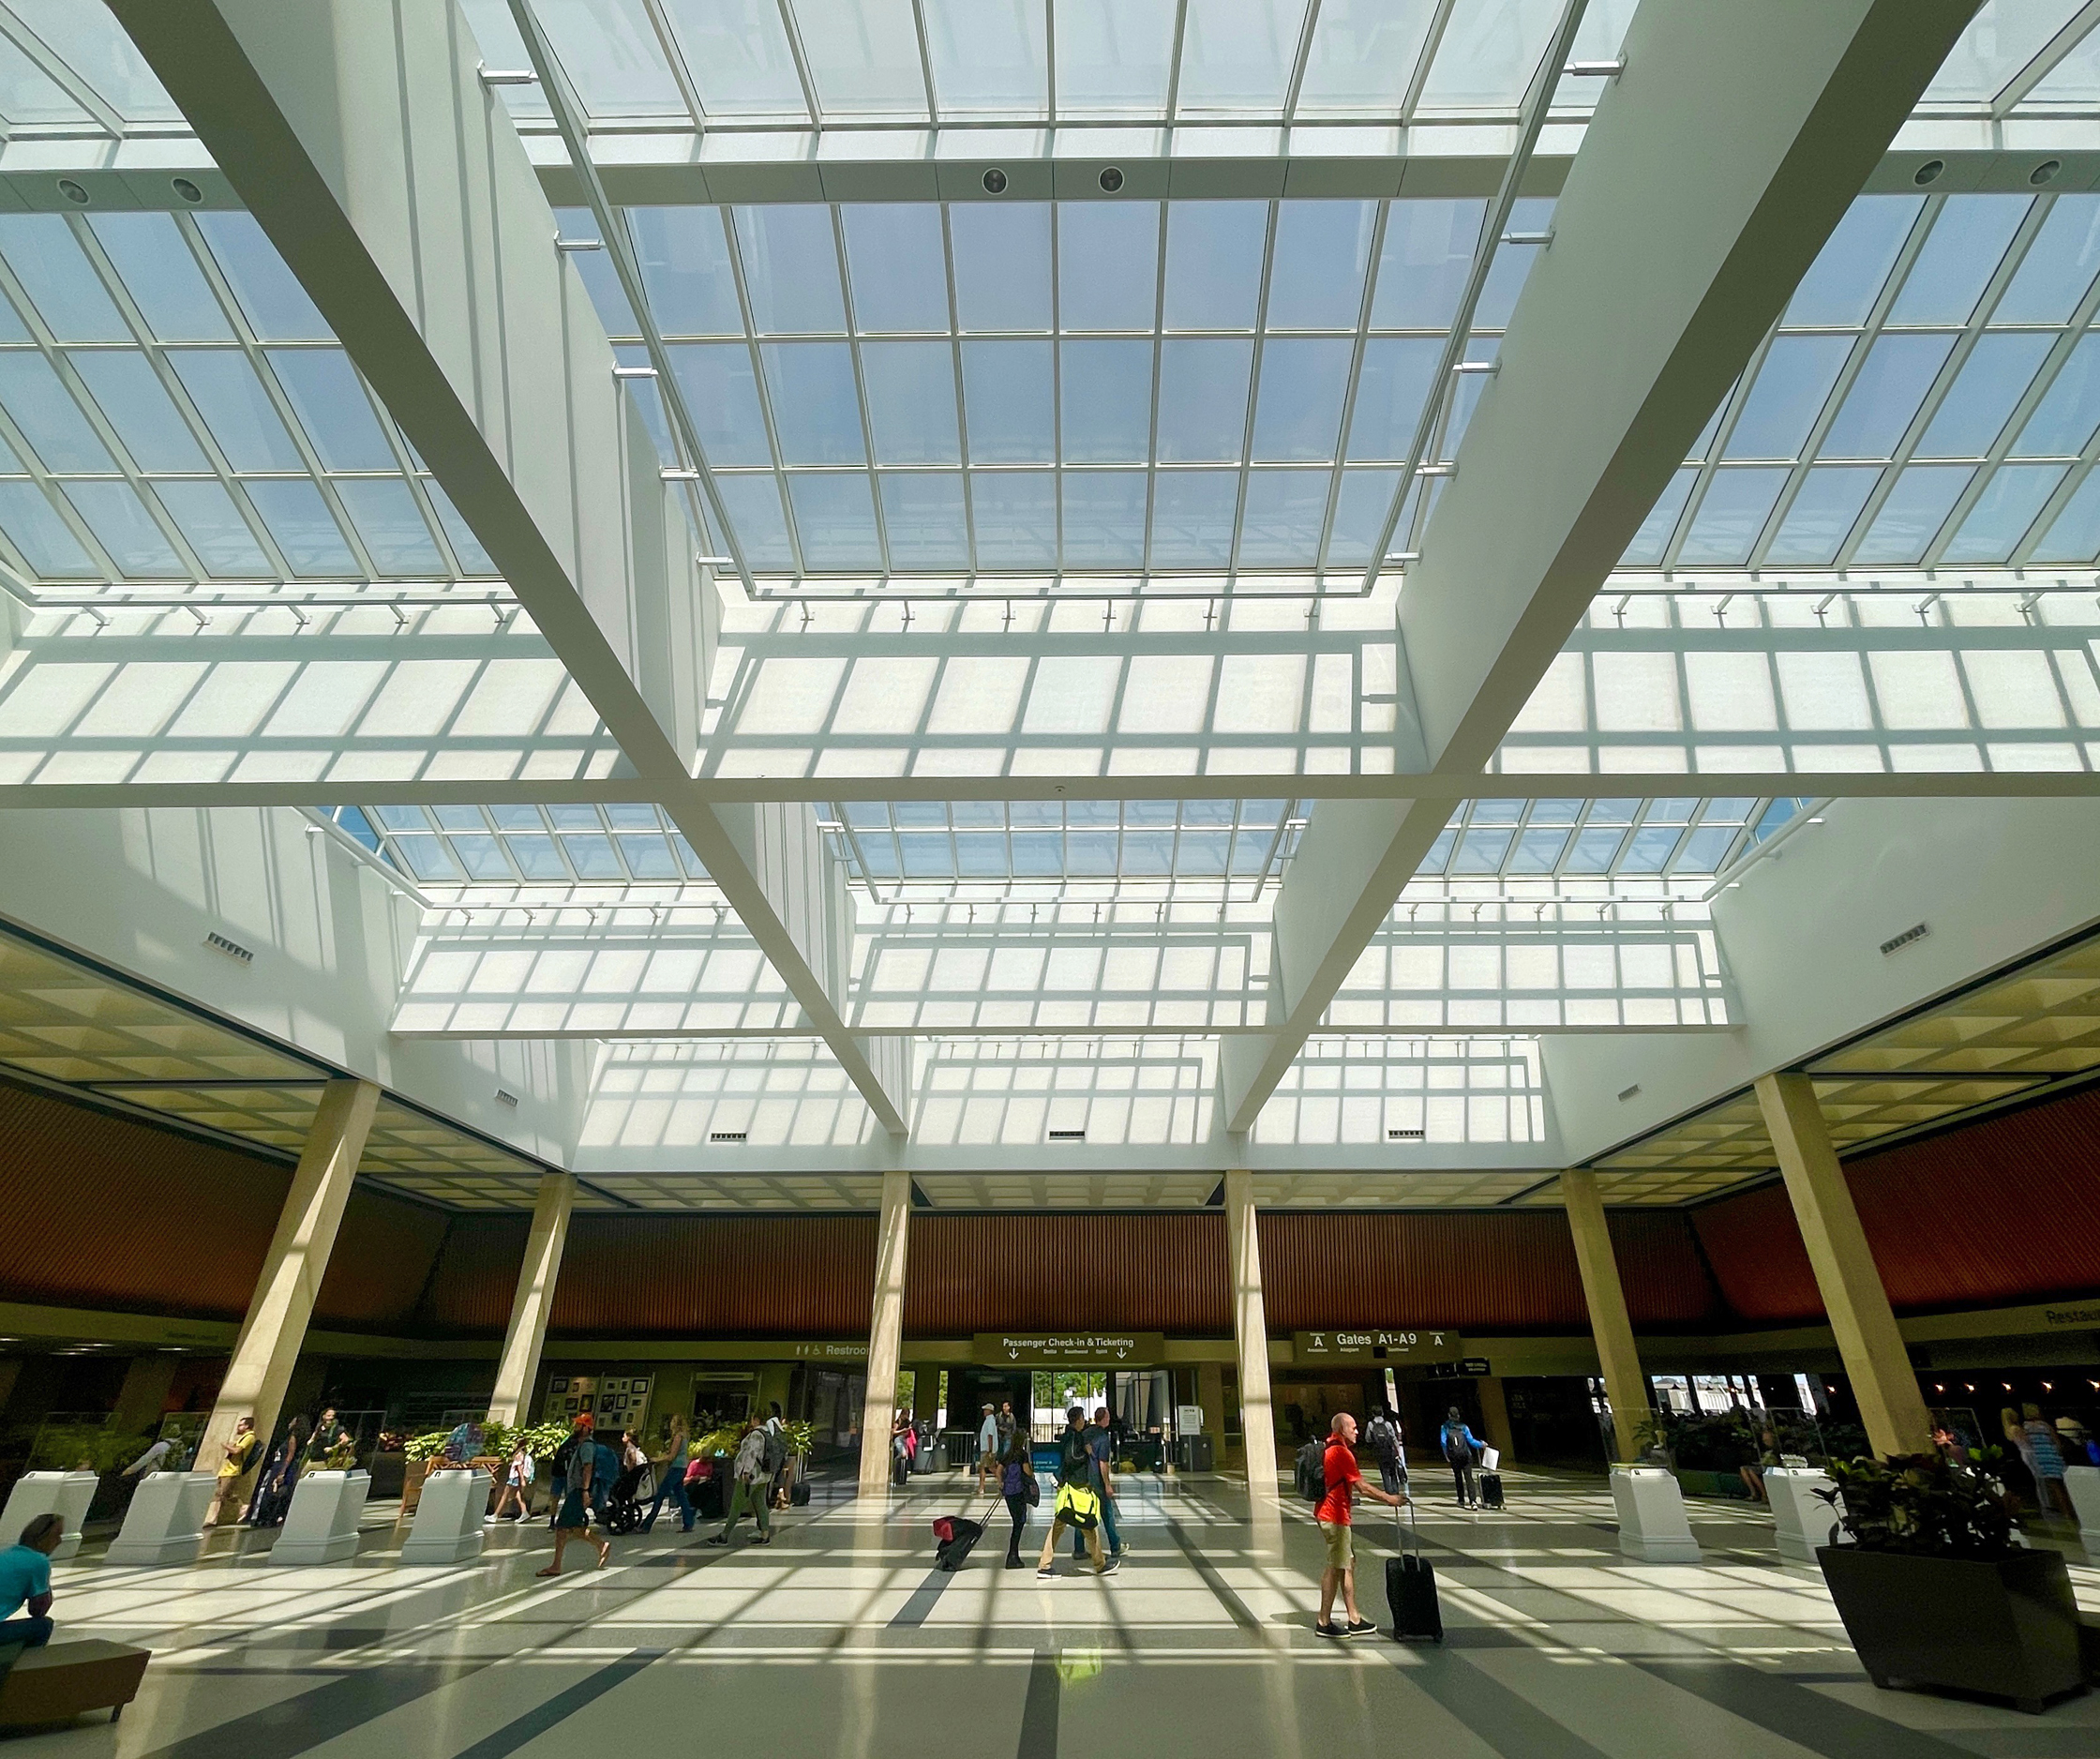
726 1136
1627 1092
506 1097
1895 943
1068 1135
1406 1135
232 948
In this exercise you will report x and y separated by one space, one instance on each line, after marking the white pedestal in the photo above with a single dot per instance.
165 1524
448 1527
1651 1524
2083 1482
321 1527
65 1494
1800 1521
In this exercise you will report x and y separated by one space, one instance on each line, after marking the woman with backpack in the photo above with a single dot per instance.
1018 1486
1462 1448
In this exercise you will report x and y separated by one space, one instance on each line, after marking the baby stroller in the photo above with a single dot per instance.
624 1501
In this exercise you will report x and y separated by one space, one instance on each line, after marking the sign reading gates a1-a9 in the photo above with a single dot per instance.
1376 1345
1069 1349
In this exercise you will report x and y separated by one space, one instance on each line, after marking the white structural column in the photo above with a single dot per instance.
526 1335
274 1331
391 180
1605 1296
879 1405
1715 168
1250 1329
1875 1360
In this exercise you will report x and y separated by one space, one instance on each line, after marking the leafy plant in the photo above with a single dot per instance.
802 1436
428 1446
342 1457
1923 1504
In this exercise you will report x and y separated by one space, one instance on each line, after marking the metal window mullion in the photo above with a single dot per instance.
803 77
619 245
1536 98
1432 41
667 40
2054 363
2073 479
2046 61
1724 430
1253 391
246 340
1300 61
860 387
179 394
60 72
1158 359
962 408
1359 344
1173 70
1050 61
764 392
925 62
70 516
1056 394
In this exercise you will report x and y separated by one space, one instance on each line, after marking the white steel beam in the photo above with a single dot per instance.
1716 165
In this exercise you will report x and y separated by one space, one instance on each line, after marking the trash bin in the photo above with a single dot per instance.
1193 1454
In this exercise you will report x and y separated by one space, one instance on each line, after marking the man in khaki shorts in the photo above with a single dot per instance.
1343 1478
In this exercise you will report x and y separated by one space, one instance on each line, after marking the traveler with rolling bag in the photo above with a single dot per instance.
1340 1478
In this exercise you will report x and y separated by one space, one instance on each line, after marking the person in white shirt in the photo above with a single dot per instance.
988 1449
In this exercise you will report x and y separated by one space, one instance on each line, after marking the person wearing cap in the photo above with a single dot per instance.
988 1449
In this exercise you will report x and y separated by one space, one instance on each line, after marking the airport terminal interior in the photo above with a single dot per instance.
745 743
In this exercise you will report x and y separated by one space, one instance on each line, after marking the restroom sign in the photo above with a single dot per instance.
1376 1345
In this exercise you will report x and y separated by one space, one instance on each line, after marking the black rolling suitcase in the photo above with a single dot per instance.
1491 1489
954 1535
1411 1589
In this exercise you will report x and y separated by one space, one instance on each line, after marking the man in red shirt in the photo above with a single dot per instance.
1342 1478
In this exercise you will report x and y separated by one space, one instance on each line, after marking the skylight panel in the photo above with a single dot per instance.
988 55
1107 404
270 297
1885 395
2075 534
1298 417
2058 265
790 269
302 527
864 56
1488 54
47 416
1236 55
1730 514
2004 38
1991 381
329 399
911 401
895 266
1105 520
834 518
1281 521
1114 57
816 402
1916 507
236 409
1855 262
1192 517
1323 253
1015 513
1108 265
46 542
922 516
1214 264
1651 541
29 97
1787 396
1423 265
2063 421
611 54
1010 402
46 259
1002 264
753 504
1825 509
1202 399
1363 56
2002 513
391 526
125 529
1392 384
738 56
1960 256
88 40
153 260
685 267
214 529
133 401
722 397
2075 78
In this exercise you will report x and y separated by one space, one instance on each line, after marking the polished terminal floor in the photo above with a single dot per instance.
842 1640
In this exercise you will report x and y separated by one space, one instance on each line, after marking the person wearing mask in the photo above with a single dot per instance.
573 1515
517 1483
1101 1448
670 1479
1078 1505
991 1456
2049 1463
748 1474
1461 1452
1343 1478
1016 1469
240 1456
25 1583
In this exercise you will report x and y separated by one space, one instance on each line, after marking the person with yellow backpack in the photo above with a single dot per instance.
1078 1505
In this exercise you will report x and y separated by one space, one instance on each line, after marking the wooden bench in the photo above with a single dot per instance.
57 1682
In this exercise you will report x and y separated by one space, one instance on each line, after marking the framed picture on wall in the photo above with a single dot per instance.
560 1384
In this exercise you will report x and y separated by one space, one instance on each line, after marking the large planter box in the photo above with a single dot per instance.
2009 1629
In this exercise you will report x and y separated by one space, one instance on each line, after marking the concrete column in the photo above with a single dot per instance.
1853 1295
274 1329
1210 1394
518 1366
1250 1320
143 1397
1606 1297
1494 1419
925 1392
885 1336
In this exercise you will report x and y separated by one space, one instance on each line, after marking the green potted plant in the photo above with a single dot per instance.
1934 1591
421 1452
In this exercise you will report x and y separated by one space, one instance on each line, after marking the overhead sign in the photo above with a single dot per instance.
1376 1345
1468 1367
846 1352
1069 1349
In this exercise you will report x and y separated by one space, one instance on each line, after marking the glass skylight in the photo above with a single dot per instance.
1930 397
1601 839
576 845
1081 387
903 848
173 409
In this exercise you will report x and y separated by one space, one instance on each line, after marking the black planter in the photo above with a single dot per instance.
2009 1629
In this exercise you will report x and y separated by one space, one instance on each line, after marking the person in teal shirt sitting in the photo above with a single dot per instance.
25 1581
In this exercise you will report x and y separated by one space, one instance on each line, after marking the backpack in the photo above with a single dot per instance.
1075 1457
1456 1450
1312 1471
1383 1443
776 1452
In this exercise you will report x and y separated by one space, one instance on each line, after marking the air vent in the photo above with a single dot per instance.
1068 1135
1405 1136
232 948
1627 1092
726 1136
506 1097
1916 931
